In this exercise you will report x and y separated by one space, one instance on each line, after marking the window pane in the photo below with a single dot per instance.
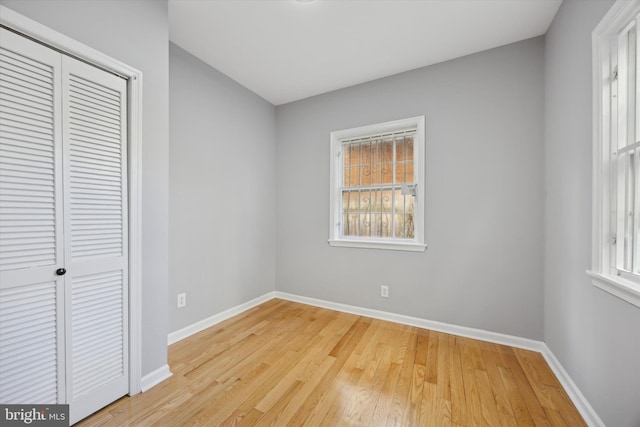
626 206
386 201
631 89
352 176
409 149
404 172
401 149
367 176
365 201
404 208
385 225
386 162
404 160
350 225
377 209
350 201
404 226
346 155
377 213
365 225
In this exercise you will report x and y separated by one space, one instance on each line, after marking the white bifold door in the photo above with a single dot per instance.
63 230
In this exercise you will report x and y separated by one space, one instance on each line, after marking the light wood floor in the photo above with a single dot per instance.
284 363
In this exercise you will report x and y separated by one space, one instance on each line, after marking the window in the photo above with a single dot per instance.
616 153
377 186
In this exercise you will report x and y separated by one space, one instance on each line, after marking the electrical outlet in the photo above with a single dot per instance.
182 300
384 291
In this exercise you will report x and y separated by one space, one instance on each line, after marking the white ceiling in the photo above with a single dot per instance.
285 50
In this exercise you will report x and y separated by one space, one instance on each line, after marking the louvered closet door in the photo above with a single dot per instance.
31 294
95 206
63 204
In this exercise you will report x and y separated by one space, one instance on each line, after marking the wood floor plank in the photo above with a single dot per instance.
289 364
249 419
526 390
328 390
429 406
516 400
403 385
456 378
294 404
489 355
379 400
471 391
332 414
489 407
443 386
431 367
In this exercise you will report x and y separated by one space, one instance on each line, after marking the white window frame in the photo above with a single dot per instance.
603 271
417 244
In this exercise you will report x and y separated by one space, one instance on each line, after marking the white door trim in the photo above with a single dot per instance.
46 35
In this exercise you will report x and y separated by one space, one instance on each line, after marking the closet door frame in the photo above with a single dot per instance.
43 34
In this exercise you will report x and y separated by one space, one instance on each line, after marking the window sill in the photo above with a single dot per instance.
624 289
394 246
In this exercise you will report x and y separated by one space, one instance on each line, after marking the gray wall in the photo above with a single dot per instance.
593 334
483 267
223 191
136 33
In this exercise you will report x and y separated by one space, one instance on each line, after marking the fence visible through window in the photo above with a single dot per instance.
375 168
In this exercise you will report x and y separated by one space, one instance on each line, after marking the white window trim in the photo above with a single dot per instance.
601 270
46 35
418 243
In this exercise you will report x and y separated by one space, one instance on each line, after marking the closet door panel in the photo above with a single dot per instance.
95 174
31 227
97 330
30 150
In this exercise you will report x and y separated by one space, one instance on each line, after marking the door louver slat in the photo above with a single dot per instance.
28 360
26 163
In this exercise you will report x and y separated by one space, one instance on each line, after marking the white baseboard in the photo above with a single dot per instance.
155 377
217 318
582 404
463 331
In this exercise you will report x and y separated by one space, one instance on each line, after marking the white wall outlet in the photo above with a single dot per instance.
182 300
384 291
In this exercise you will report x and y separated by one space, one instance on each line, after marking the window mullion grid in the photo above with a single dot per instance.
353 183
